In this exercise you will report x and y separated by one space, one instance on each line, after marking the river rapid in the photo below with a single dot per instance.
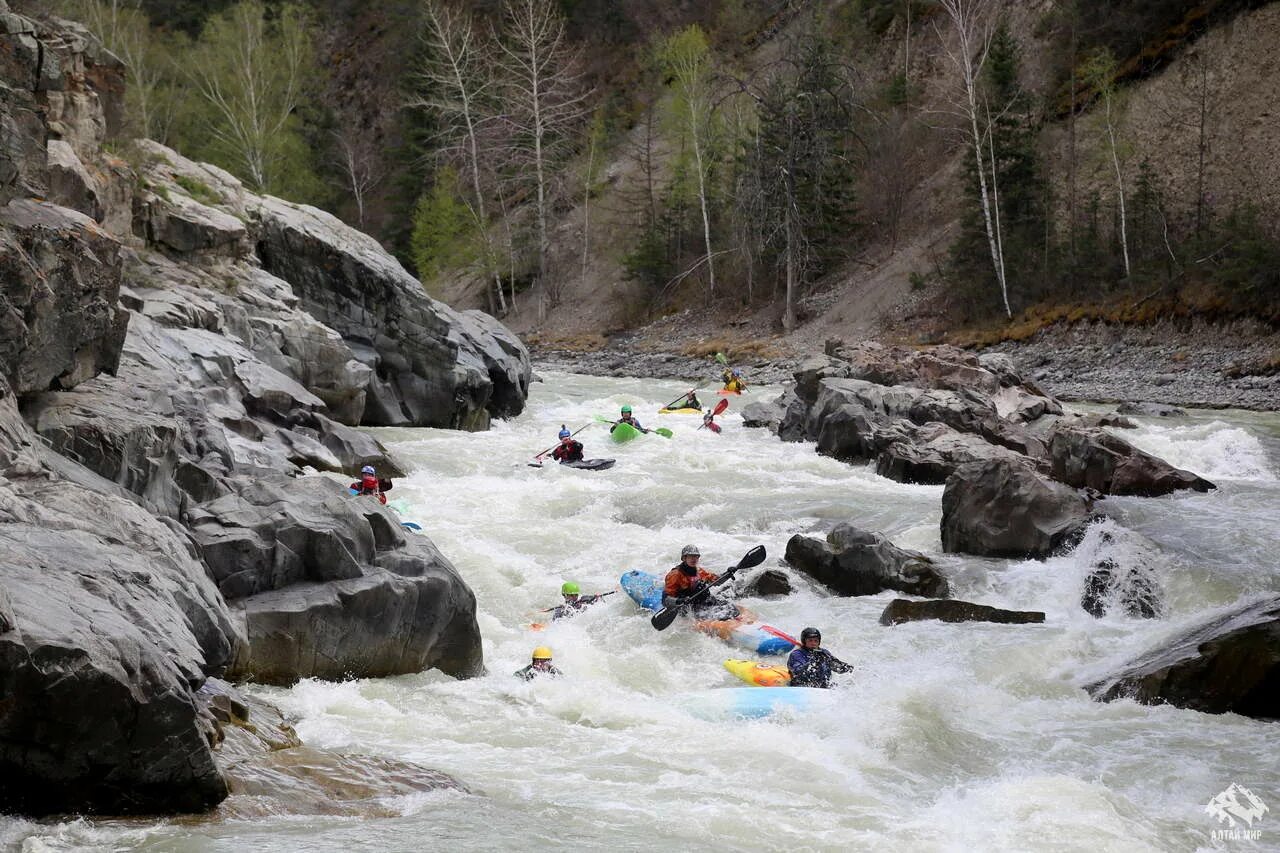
947 737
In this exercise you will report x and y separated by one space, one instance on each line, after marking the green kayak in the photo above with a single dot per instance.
622 433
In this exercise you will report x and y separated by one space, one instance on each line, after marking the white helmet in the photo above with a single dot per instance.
690 551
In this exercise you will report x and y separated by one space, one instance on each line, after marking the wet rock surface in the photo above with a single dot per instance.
901 610
857 562
1230 663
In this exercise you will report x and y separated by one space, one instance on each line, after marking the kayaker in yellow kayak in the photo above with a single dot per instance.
690 401
629 419
733 380
811 665
540 665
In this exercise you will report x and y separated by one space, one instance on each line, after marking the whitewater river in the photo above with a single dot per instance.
948 737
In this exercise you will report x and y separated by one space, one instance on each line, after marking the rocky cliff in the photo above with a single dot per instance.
175 354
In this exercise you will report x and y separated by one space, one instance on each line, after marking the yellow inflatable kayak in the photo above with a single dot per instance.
759 674
684 411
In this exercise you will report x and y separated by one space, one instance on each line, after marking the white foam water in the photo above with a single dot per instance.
946 737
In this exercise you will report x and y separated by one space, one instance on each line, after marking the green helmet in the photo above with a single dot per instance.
570 588
626 410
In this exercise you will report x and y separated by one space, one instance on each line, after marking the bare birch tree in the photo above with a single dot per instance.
686 57
357 159
455 83
971 41
252 75
1100 73
544 102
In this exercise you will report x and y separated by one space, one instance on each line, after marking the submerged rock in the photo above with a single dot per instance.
1003 508
858 562
1230 663
1151 410
770 583
270 772
901 610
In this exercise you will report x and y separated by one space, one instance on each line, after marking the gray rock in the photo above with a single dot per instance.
766 414
769 583
1003 508
857 562
1095 459
59 285
901 610
428 369
107 610
931 453
331 586
1229 663
70 183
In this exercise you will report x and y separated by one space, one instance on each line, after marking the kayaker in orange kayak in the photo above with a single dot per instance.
733 381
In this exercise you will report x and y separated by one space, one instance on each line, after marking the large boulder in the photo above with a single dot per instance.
1096 459
59 285
108 625
857 562
931 453
769 583
1230 663
333 587
431 366
1003 508
901 610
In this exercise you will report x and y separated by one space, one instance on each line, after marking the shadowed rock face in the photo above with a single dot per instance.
157 388
1092 458
1228 664
857 562
901 610
1002 508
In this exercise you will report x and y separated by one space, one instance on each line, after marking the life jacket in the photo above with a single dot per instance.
813 667
571 452
680 585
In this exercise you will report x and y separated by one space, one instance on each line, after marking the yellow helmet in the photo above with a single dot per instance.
542 653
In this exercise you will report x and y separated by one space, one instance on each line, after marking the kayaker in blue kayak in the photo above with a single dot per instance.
539 666
569 450
687 585
574 601
629 419
811 665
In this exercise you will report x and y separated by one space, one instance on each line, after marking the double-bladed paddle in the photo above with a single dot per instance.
680 398
718 410
664 617
557 444
662 431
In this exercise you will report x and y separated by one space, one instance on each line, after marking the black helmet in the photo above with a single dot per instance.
810 632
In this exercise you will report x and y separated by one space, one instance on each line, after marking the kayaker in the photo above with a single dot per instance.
687 580
733 380
691 401
370 484
569 450
540 665
574 600
629 419
811 665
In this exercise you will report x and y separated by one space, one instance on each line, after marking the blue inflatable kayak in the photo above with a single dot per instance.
645 589
751 703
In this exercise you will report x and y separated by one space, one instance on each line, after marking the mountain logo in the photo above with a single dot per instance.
1235 802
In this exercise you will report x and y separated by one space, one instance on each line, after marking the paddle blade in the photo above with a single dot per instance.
664 432
601 419
720 407
720 358
752 558
663 618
